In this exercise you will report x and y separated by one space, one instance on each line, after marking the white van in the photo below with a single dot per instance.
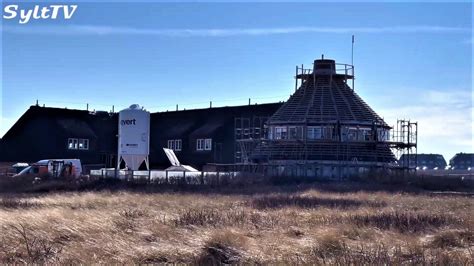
54 168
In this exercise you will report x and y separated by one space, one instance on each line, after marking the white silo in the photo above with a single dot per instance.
133 137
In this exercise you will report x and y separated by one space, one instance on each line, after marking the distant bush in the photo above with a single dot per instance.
369 182
403 221
201 217
13 203
216 218
278 201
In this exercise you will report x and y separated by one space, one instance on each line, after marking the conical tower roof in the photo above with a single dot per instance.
324 96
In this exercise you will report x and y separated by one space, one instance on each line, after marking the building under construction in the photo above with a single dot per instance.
324 129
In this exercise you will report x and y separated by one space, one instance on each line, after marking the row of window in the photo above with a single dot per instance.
245 133
327 132
204 144
279 132
201 144
77 144
175 144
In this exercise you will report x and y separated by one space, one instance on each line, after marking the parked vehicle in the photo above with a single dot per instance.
53 168
18 167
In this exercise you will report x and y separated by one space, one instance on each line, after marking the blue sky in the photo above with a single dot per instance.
412 60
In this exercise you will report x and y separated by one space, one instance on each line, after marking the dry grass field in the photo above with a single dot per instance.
332 223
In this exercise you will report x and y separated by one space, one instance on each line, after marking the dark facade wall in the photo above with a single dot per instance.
193 127
43 133
105 146
190 125
39 134
36 140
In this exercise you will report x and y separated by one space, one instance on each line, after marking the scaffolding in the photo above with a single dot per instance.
247 132
323 98
253 155
404 142
400 140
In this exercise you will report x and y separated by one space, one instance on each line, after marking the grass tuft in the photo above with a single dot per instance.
222 248
306 202
449 239
403 221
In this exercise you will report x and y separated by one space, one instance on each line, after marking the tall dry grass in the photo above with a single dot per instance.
307 224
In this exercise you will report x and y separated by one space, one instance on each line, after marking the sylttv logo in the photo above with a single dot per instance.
124 122
37 12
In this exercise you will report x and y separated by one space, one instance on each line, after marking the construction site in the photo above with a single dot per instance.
325 129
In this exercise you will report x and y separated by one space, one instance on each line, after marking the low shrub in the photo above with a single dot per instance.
133 213
201 217
306 202
458 238
14 203
222 248
402 221
33 248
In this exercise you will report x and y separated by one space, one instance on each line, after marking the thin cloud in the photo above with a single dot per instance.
445 119
108 30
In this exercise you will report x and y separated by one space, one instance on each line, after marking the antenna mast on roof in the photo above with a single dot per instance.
352 63
352 54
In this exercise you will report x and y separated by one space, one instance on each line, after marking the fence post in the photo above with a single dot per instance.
184 177
166 177
102 173
149 176
218 179
202 177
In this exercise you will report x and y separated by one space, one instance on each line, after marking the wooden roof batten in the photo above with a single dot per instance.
324 95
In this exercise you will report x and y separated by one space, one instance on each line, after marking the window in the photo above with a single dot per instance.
70 144
77 144
204 144
356 134
208 144
296 132
351 133
175 144
314 133
281 133
83 144
178 145
383 134
34 170
327 132
365 134
200 144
